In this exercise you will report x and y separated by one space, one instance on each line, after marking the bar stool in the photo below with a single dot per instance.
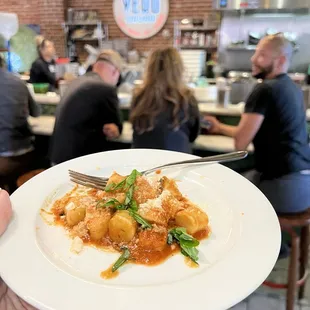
299 251
27 176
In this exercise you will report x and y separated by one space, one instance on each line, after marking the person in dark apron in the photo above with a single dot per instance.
43 68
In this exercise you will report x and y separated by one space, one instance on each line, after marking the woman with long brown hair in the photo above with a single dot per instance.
164 111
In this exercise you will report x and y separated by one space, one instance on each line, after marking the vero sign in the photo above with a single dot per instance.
141 19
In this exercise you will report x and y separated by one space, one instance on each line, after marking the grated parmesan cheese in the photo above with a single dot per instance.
153 181
77 245
154 203
70 206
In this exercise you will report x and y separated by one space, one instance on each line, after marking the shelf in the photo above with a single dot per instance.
210 48
94 23
249 48
86 39
241 48
3 50
199 29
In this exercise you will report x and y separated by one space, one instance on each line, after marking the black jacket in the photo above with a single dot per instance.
165 137
43 72
86 107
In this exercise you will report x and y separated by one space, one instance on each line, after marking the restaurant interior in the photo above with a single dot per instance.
216 40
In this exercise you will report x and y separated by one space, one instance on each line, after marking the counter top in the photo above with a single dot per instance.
48 98
44 125
53 98
124 99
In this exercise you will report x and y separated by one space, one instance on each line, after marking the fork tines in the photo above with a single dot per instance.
87 180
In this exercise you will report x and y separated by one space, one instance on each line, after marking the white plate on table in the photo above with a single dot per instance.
37 264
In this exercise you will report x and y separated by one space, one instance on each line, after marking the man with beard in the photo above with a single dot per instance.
274 120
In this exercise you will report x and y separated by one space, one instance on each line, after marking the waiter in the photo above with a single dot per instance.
43 69
274 120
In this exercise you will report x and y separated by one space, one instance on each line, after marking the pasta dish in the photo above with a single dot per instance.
145 219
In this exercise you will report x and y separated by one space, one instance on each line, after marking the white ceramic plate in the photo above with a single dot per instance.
36 262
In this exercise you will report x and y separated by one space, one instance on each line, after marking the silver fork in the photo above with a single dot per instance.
100 183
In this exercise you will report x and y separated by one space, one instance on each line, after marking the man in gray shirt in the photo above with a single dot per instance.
16 104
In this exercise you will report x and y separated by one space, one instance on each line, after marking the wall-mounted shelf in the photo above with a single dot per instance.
86 23
201 29
197 47
89 27
2 50
249 48
85 39
241 48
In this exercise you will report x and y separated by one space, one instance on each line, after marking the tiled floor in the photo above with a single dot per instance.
269 299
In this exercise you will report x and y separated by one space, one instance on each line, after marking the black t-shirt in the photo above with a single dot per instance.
87 105
281 143
43 72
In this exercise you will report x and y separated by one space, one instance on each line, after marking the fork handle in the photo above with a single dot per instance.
204 160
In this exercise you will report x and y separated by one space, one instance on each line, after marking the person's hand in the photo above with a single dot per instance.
215 124
5 210
111 131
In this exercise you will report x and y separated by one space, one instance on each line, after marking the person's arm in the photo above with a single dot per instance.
251 119
34 108
113 113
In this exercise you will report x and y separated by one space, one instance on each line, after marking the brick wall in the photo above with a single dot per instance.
49 14
178 9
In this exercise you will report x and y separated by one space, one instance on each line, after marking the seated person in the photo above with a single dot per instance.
164 111
43 68
274 120
8 299
16 143
89 112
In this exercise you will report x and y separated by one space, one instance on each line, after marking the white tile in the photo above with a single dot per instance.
259 302
241 306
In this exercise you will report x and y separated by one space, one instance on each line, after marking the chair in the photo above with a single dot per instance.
296 277
27 176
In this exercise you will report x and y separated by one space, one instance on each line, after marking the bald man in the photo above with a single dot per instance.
274 120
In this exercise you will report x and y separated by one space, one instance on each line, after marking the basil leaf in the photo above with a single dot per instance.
100 204
129 195
113 187
112 202
131 179
109 187
185 236
170 239
187 243
192 253
134 205
144 223
122 259
179 230
190 244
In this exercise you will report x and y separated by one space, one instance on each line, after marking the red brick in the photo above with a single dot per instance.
49 14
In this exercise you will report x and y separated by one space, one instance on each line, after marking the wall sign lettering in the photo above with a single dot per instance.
140 19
